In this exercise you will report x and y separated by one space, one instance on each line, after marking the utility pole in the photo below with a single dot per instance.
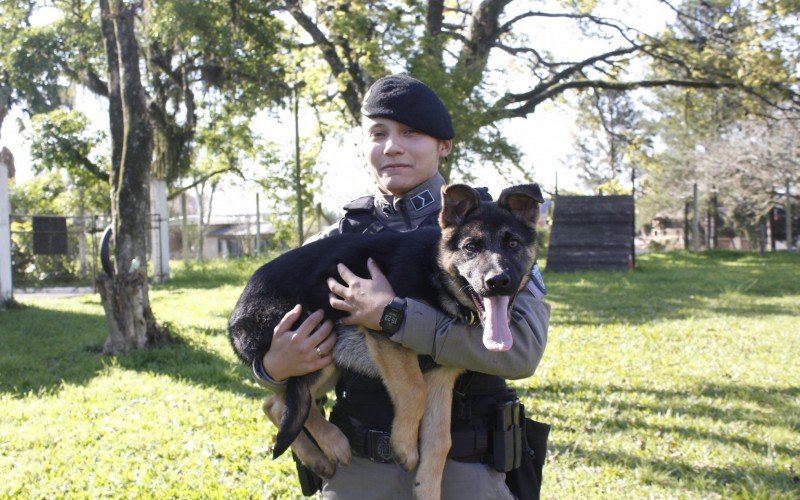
258 225
714 231
184 231
633 219
298 187
789 235
695 222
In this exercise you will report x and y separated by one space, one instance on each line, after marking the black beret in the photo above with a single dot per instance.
409 101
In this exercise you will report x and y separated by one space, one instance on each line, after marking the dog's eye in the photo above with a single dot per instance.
513 243
470 246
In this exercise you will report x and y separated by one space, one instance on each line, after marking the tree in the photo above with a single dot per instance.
608 139
218 50
224 51
125 295
29 73
750 41
751 163
480 56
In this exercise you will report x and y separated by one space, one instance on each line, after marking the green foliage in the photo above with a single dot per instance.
224 52
543 236
62 140
29 63
613 187
52 193
676 380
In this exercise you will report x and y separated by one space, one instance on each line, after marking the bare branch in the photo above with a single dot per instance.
355 87
201 180
534 100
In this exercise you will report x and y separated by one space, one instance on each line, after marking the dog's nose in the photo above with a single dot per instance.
499 281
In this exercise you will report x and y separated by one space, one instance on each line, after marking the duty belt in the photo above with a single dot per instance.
470 445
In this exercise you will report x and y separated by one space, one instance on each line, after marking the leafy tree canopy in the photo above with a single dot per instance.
489 61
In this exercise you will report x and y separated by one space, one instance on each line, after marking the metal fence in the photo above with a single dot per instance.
58 250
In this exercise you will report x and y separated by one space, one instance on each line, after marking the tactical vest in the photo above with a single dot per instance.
366 400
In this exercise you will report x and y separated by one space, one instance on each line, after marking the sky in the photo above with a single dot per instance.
545 137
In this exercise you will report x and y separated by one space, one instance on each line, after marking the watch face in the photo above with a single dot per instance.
393 315
391 318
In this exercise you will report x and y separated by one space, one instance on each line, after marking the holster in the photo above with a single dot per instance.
507 436
525 482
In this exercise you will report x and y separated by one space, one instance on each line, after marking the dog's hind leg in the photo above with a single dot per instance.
303 446
331 440
435 439
402 377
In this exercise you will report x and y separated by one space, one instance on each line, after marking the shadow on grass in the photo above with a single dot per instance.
767 406
676 286
698 414
673 474
43 349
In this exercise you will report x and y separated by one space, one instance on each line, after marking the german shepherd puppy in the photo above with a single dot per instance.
471 267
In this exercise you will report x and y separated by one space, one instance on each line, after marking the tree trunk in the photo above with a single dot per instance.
125 296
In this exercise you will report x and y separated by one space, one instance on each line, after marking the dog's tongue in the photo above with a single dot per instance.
496 334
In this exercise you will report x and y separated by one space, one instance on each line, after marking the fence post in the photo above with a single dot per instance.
6 285
160 233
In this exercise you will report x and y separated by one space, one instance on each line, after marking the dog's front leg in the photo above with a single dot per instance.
435 439
402 377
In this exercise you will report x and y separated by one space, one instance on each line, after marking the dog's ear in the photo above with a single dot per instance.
457 201
523 201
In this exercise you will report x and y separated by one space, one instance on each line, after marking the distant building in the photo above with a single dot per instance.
663 232
667 231
232 236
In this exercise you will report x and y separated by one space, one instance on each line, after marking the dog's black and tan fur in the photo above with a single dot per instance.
473 265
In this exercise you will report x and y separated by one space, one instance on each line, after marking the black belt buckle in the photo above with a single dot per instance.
379 446
507 436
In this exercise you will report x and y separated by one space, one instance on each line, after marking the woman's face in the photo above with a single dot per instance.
401 157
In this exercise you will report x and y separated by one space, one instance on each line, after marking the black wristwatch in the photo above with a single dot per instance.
393 315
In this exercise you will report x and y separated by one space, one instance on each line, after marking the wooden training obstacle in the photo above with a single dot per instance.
591 233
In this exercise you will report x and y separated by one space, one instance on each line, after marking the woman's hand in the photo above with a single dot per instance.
363 298
302 351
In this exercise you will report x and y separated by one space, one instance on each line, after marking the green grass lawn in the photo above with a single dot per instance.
678 380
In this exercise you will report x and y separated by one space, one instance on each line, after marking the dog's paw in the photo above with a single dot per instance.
312 457
321 466
425 490
406 454
336 447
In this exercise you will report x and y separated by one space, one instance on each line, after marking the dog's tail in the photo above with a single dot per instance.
295 413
